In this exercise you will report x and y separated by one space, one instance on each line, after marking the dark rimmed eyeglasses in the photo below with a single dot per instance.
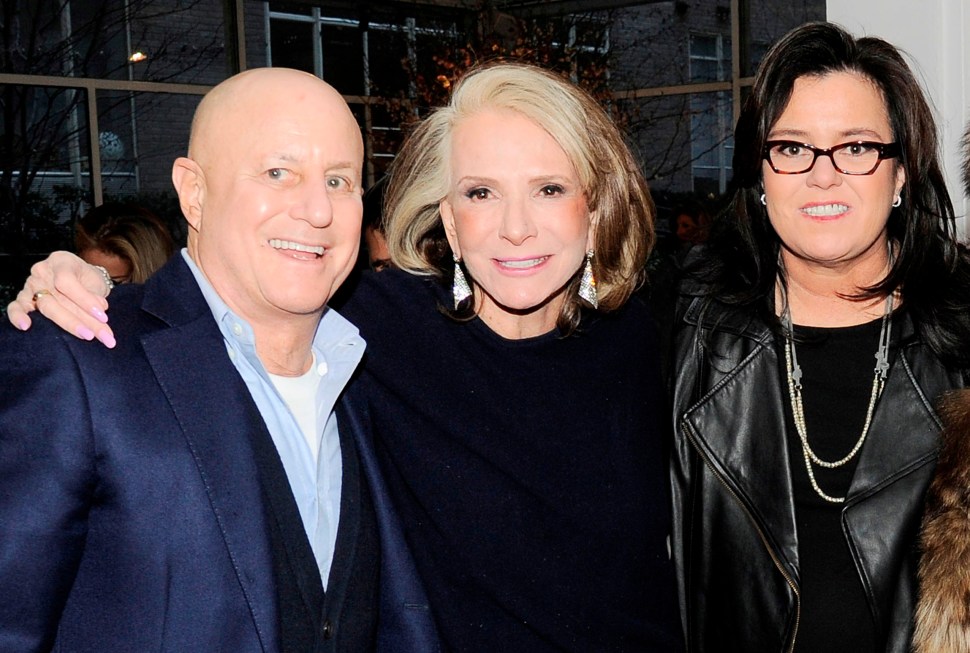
854 158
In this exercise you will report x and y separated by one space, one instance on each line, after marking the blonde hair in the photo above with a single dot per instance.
616 192
131 233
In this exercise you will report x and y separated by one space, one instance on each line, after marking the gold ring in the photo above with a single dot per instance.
40 293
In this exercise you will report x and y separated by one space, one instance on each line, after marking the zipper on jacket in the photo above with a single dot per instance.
774 558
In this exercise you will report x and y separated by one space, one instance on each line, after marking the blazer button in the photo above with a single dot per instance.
327 629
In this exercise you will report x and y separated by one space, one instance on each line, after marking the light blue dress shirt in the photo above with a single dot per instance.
338 349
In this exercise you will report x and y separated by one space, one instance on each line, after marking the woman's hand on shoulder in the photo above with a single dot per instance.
70 293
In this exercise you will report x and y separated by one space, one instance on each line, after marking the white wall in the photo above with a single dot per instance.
935 35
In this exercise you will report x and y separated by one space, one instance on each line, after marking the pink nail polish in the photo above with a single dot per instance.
84 333
106 338
22 325
100 315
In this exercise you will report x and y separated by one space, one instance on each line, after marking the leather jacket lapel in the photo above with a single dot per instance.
735 427
885 500
906 423
730 377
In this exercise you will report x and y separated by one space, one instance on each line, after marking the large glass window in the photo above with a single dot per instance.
711 119
403 57
387 63
182 42
45 179
137 149
98 94
46 156
765 21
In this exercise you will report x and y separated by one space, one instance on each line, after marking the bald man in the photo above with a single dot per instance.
206 485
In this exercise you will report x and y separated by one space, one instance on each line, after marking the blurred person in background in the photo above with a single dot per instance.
372 231
691 224
128 241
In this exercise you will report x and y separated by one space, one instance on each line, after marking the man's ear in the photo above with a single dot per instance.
189 181
448 221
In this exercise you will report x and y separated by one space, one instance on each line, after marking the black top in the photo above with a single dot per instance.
838 368
529 474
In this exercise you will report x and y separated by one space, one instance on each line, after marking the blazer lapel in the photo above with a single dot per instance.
215 411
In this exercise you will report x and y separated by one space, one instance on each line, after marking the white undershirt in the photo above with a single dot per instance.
300 395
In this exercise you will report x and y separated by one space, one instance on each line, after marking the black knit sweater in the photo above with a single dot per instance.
529 474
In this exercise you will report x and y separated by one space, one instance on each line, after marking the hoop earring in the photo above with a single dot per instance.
460 289
897 201
763 202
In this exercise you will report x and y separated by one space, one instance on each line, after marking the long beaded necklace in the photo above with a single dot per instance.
794 373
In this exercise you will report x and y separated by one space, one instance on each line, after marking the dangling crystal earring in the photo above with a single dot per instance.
587 284
763 202
460 289
897 201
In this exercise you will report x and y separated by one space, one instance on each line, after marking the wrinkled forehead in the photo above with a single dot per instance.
285 119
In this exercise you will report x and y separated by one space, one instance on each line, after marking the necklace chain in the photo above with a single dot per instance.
794 374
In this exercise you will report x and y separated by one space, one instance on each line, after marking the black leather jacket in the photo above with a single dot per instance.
735 541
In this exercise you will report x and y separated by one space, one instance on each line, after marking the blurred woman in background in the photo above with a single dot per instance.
128 241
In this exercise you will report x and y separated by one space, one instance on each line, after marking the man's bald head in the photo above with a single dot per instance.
257 93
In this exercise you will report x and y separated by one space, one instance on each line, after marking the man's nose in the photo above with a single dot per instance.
315 204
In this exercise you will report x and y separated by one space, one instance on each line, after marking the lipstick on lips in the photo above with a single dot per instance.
524 264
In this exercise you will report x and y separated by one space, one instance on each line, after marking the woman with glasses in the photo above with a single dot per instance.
814 333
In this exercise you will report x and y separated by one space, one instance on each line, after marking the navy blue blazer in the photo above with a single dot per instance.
131 515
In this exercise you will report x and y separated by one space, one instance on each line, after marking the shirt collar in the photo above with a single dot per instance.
333 333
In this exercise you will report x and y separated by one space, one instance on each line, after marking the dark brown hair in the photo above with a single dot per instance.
742 265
